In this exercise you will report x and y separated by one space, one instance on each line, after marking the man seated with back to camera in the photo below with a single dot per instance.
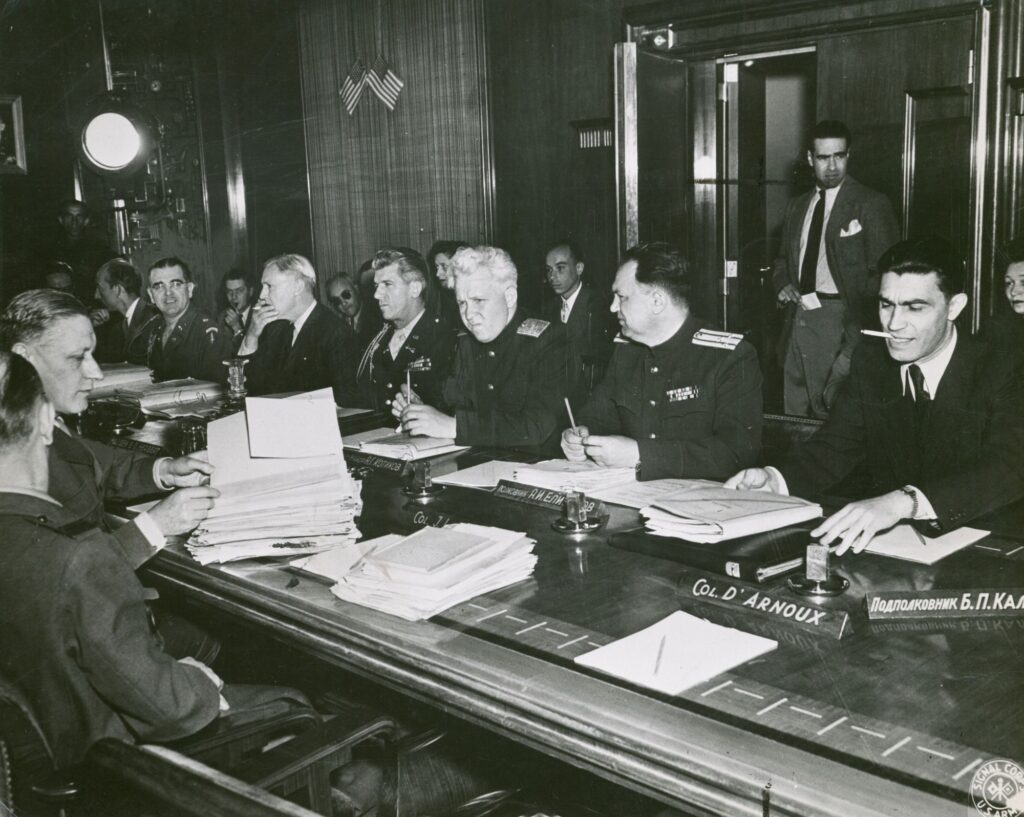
416 339
294 343
678 399
124 335
511 373
76 638
930 413
186 341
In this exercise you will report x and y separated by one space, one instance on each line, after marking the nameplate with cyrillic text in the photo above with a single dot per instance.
537 497
1001 602
779 606
357 459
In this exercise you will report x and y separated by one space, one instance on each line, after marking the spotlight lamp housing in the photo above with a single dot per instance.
117 137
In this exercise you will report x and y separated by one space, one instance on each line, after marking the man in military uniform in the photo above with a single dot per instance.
125 335
510 376
416 338
186 342
678 400
294 343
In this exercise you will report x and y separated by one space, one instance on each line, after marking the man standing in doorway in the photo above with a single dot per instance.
827 271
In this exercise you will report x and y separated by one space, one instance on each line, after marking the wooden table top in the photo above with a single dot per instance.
892 719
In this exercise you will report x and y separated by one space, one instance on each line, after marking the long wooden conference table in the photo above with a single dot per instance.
894 718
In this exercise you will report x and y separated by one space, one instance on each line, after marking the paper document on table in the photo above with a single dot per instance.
401 446
677 653
904 542
486 475
586 476
639 494
166 396
718 514
119 377
336 563
305 425
235 470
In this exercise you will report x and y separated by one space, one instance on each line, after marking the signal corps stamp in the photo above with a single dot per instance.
997 789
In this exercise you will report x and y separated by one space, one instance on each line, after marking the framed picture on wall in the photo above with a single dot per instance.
12 136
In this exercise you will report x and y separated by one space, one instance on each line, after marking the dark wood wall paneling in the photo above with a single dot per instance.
550 65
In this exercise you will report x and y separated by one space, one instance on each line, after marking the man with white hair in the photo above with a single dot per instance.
511 374
294 343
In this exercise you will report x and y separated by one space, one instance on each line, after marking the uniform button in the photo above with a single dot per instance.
490 387
653 436
654 402
389 386
490 353
654 369
41 518
387 402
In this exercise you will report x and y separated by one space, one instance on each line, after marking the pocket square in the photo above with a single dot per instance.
851 229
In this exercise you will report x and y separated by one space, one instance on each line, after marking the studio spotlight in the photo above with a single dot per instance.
118 138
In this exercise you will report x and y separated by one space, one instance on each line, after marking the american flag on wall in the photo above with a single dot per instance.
384 82
353 86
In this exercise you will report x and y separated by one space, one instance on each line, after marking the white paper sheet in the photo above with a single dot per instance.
305 425
640 494
677 653
904 542
486 475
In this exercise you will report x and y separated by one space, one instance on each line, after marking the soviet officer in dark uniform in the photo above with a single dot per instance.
678 399
511 374
417 342
186 342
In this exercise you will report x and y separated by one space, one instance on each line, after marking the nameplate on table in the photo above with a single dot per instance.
779 606
358 459
135 445
537 497
987 602
424 518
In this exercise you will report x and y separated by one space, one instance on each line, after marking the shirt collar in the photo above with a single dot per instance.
571 299
301 320
20 489
404 333
131 310
933 368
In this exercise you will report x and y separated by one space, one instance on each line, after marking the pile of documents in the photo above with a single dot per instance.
176 398
718 514
400 446
120 377
586 476
284 488
418 576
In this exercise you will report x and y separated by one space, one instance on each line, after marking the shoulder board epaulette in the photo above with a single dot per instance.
720 340
534 327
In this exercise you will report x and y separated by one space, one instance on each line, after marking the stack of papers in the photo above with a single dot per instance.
586 476
719 514
486 475
176 398
119 377
284 487
639 494
677 653
401 446
418 576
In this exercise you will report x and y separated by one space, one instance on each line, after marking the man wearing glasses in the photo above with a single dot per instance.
346 301
186 342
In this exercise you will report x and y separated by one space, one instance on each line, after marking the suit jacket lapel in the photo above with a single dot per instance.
802 203
304 340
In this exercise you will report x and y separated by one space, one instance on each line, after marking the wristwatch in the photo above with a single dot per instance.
911 491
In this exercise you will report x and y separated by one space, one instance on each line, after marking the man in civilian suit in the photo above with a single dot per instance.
294 343
236 317
931 416
826 273
345 298
125 337
417 338
583 312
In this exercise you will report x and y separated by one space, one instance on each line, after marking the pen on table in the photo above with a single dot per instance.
875 333
920 536
572 420
661 652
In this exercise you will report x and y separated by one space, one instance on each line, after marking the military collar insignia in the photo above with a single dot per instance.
716 339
